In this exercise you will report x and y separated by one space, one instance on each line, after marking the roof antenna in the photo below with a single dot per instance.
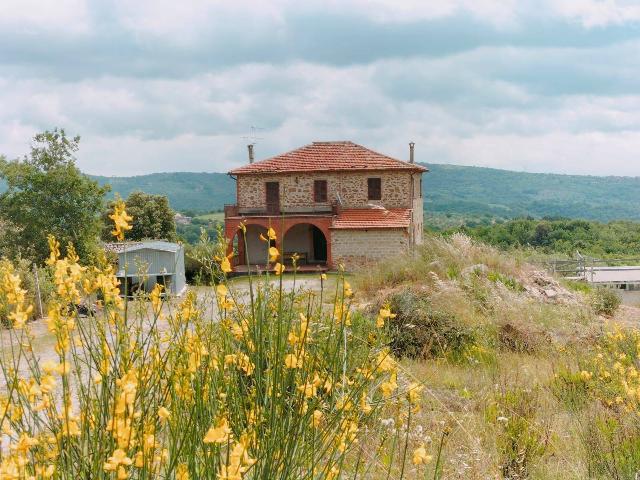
252 137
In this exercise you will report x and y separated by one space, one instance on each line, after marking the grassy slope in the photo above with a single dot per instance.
521 339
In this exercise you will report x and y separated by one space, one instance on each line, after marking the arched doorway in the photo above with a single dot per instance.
306 240
249 248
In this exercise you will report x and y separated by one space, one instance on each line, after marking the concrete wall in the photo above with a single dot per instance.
296 190
356 248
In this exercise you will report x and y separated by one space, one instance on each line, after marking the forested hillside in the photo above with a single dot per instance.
501 193
448 189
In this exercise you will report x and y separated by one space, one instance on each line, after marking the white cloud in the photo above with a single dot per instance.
160 100
64 16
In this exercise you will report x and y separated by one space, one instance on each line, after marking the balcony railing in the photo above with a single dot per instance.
324 209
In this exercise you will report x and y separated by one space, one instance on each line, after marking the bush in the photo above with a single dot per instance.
571 389
266 384
419 331
24 269
612 445
521 438
605 301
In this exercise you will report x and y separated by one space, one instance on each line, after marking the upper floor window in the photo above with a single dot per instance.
374 188
320 191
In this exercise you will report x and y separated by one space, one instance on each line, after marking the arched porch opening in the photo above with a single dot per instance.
308 241
249 247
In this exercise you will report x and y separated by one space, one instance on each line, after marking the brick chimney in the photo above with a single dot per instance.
411 147
250 148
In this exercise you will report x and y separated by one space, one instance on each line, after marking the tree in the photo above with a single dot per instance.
47 194
152 218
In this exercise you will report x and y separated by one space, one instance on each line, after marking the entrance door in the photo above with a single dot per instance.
273 198
319 245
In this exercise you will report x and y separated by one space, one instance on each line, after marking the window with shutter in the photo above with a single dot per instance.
320 191
375 188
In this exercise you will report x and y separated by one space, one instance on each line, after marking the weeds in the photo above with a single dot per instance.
271 386
605 301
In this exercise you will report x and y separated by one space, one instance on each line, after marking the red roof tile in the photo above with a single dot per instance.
327 156
363 218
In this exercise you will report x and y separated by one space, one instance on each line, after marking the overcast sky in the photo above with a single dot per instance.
166 85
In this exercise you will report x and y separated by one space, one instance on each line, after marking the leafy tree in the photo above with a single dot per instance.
152 218
47 194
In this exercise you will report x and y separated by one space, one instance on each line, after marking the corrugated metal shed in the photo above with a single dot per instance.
141 265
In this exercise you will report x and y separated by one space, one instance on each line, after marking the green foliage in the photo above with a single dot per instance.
482 192
47 194
201 267
576 286
453 195
571 389
619 238
605 301
612 445
191 233
152 218
198 192
509 282
419 331
521 439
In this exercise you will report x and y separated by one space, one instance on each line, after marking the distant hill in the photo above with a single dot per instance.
448 189
186 190
507 194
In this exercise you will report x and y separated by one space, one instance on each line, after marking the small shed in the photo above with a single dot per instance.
142 265
623 278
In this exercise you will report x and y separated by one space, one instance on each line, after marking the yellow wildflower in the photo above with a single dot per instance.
279 268
316 418
182 472
163 413
383 314
225 265
420 456
292 361
273 254
220 433
120 220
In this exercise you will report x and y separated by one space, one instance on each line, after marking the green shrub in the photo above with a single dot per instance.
571 389
419 331
612 445
605 301
576 286
521 438
509 282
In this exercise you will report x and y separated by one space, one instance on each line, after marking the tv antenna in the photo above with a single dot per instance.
252 139
253 135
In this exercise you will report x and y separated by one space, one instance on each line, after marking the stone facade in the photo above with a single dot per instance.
399 189
356 248
347 228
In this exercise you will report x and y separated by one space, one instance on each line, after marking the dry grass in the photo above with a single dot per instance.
498 401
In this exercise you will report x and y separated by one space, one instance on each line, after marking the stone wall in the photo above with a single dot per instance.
357 248
296 190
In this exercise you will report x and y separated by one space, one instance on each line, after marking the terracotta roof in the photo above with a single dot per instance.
328 156
364 218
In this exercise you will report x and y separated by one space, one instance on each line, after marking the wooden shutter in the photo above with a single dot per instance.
375 188
320 191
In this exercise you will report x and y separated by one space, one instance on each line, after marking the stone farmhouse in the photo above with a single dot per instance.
331 203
